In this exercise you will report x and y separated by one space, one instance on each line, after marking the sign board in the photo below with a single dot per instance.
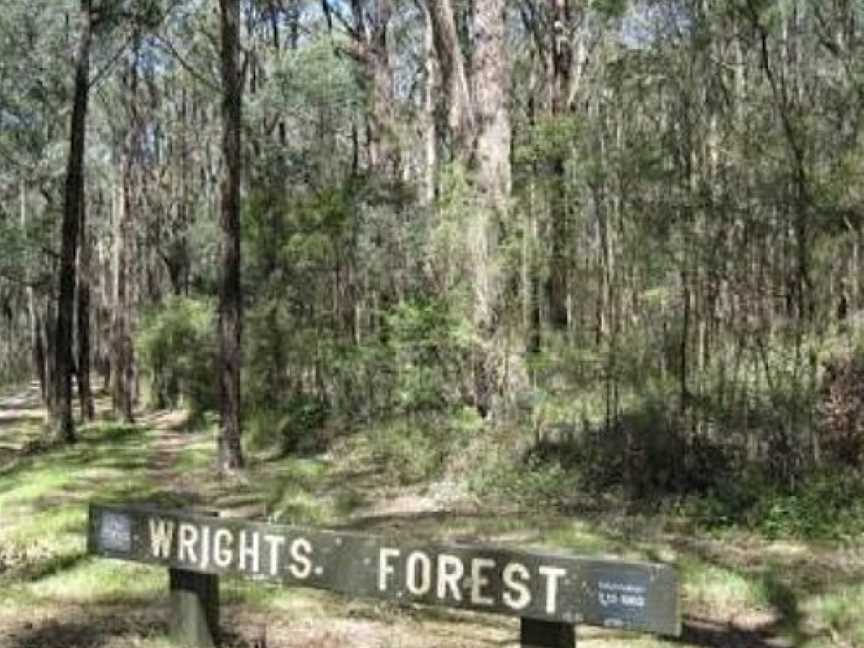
551 587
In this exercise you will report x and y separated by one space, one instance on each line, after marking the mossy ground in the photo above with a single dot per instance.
738 589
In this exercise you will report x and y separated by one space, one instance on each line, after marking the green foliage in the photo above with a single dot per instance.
406 450
841 610
824 506
610 8
417 448
445 247
316 75
531 482
552 138
177 348
294 426
428 344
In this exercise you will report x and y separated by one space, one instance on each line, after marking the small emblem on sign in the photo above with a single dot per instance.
115 532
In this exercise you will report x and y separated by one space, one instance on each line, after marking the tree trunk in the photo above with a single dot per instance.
491 86
430 137
453 75
37 351
121 344
47 334
383 150
85 394
63 424
230 296
491 77
122 352
479 124
561 62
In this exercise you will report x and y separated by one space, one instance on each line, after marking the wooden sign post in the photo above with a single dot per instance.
551 593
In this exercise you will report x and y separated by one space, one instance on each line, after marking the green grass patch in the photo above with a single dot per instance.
720 588
580 538
198 455
95 580
293 492
43 499
840 611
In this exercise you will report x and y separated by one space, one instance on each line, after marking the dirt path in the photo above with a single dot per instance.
21 417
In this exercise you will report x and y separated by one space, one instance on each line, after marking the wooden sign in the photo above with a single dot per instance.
548 587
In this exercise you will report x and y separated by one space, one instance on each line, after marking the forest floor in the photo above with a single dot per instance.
738 590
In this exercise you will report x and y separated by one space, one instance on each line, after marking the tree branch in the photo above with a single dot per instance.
169 47
330 11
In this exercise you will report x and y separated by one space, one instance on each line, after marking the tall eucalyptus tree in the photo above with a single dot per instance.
230 293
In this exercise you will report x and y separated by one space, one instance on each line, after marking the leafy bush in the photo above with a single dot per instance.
534 481
293 427
417 448
825 506
427 342
176 346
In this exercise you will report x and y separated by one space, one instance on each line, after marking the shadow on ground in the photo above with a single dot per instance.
93 631
709 633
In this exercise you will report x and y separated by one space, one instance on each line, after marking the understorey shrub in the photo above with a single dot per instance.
176 346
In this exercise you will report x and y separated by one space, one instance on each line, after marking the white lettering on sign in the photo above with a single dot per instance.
627 595
223 556
553 575
456 576
517 596
275 542
188 538
479 580
418 562
450 571
385 569
300 551
161 537
249 546
633 600
205 547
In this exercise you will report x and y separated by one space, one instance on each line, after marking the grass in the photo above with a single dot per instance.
43 499
840 611
722 589
197 455
92 581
